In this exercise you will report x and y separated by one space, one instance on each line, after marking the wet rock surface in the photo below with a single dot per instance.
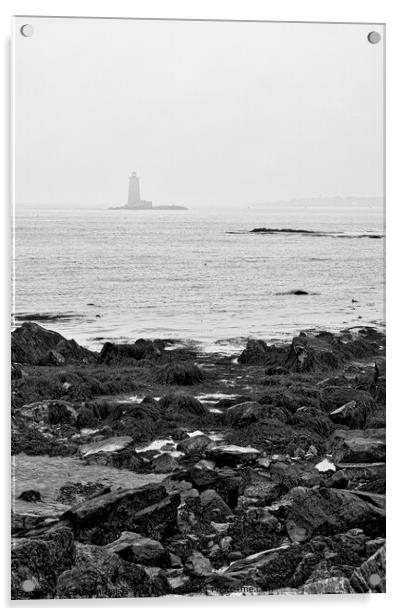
271 467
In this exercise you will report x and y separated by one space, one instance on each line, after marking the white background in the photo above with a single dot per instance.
375 11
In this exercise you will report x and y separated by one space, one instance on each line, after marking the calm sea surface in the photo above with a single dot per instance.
123 275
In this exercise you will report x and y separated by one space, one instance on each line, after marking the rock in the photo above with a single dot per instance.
203 474
328 586
115 354
109 445
362 476
102 519
243 414
30 496
117 451
185 373
333 398
350 414
179 584
159 520
233 455
255 530
327 511
268 569
31 343
17 372
74 493
255 353
60 412
313 419
99 573
51 412
52 358
164 463
21 523
358 446
36 562
309 353
194 445
371 575
213 507
141 550
198 566
178 407
261 493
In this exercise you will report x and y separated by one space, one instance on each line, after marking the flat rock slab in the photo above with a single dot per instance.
109 445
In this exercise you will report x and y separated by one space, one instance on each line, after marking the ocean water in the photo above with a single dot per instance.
197 275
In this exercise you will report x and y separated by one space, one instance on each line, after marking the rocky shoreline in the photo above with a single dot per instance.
176 472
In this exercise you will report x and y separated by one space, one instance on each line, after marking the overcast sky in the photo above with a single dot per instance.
206 112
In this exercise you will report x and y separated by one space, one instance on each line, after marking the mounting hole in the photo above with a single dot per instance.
27 30
374 37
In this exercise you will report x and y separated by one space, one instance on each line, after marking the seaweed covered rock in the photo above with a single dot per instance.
36 563
179 406
147 510
31 344
100 573
347 405
327 511
309 353
313 419
351 446
243 414
185 373
255 353
258 353
115 354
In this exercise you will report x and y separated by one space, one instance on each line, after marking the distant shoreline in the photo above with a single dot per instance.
147 209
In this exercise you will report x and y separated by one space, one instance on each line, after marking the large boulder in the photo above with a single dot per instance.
36 563
31 344
186 373
147 510
101 573
313 511
115 354
358 446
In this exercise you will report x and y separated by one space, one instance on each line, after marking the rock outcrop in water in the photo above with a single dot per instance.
273 467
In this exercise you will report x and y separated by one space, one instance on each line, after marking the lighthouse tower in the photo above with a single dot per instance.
133 189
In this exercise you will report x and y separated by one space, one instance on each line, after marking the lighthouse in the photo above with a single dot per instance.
133 190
